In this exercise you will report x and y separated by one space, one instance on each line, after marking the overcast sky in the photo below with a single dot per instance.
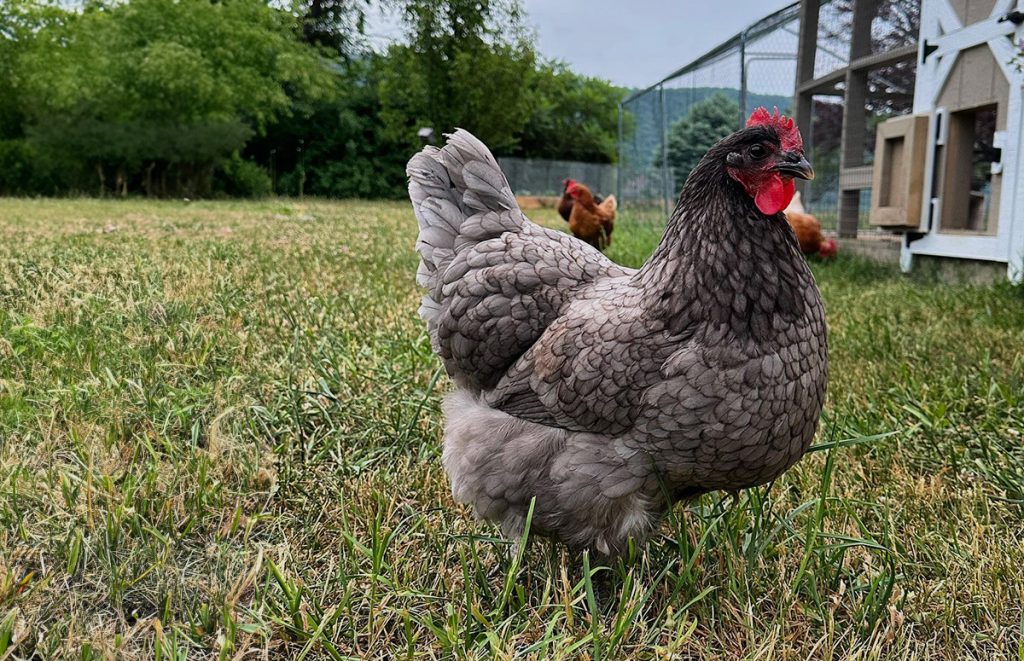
633 43
637 42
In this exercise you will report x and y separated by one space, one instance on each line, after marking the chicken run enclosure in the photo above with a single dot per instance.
694 106
698 104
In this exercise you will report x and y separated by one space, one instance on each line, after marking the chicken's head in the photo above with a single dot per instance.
765 157
579 192
567 183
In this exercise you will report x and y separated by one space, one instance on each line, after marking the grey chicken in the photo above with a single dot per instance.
609 393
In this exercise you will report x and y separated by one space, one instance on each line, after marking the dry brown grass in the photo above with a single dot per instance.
219 429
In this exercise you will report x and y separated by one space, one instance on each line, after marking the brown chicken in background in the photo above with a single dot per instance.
808 231
565 202
589 221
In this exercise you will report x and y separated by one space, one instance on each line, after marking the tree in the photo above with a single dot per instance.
690 137
334 24
156 93
338 147
22 168
356 143
17 22
196 97
467 64
573 117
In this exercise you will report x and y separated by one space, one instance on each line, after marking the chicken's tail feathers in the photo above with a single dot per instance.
611 203
463 172
448 186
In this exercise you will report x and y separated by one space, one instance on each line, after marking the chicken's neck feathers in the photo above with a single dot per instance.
723 262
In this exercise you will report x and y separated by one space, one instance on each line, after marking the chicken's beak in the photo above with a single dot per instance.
793 164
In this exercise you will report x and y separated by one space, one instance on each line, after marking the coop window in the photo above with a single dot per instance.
893 173
970 190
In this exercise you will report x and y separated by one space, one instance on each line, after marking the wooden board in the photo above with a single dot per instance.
898 176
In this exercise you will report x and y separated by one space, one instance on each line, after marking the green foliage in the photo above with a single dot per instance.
334 24
160 90
156 96
573 117
165 159
243 178
24 171
466 64
339 147
470 64
691 136
178 61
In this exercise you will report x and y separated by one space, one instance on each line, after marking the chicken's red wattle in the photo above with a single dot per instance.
775 195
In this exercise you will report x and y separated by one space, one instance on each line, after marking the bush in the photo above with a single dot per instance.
242 178
24 171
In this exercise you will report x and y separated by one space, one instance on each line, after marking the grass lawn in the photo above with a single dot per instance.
219 428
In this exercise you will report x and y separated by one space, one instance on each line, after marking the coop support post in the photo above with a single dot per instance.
906 254
804 102
854 117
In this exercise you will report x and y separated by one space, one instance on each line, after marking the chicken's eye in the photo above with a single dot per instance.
757 152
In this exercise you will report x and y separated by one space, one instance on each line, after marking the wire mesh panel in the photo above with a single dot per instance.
822 142
895 23
835 26
529 176
702 106
642 182
668 127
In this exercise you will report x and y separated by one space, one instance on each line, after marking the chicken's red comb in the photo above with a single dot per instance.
789 135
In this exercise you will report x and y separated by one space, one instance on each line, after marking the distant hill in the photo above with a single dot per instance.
646 112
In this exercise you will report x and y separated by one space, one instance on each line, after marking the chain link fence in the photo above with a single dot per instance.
666 128
544 178
878 93
822 143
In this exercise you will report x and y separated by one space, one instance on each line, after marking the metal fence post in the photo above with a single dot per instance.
619 160
743 78
665 186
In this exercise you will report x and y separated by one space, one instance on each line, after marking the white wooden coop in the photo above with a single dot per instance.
950 176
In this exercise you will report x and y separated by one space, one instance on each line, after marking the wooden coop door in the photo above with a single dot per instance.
971 162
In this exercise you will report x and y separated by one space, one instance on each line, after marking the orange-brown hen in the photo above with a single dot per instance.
808 230
589 221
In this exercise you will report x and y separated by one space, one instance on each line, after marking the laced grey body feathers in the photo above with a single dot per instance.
604 392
